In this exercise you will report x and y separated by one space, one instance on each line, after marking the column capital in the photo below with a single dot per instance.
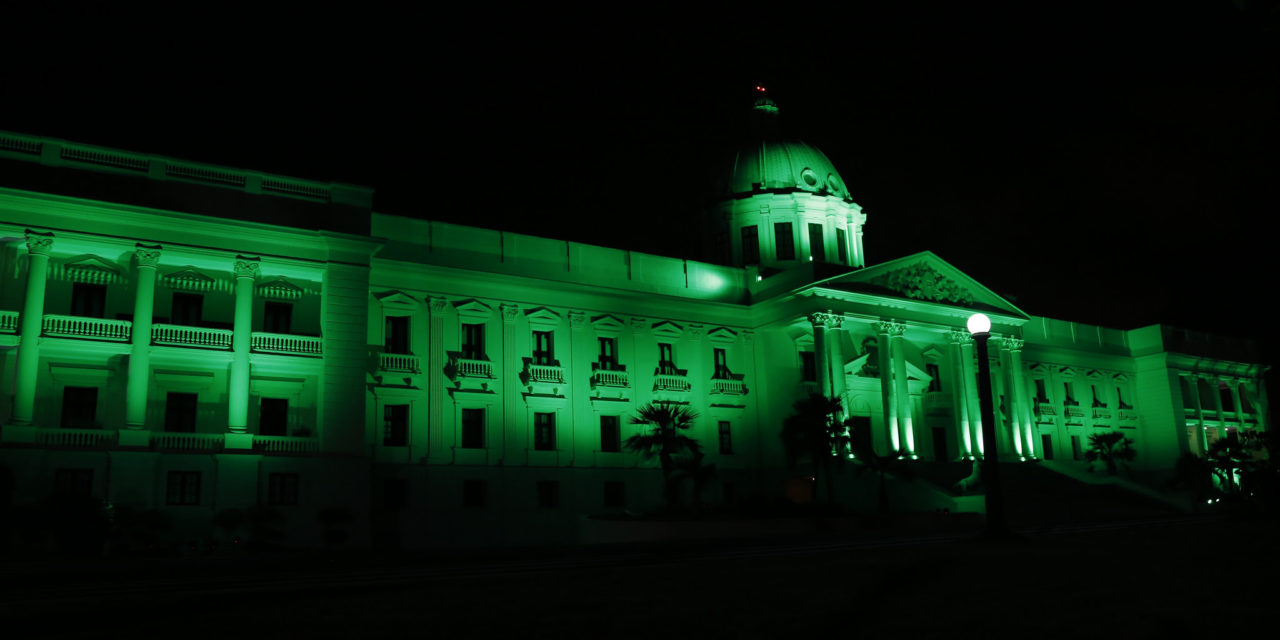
638 325
438 304
748 336
826 319
148 255
577 319
509 313
1011 343
957 336
247 267
894 329
695 331
39 243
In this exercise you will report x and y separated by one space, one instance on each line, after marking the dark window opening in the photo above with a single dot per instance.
817 249
842 247
395 425
610 434
1228 399
187 309
1120 403
88 300
473 341
273 417
1069 396
544 431
608 359
666 359
935 383
721 364
808 367
1077 449
1098 400
473 428
1046 446
73 482
396 339
784 241
277 317
282 489
726 438
548 494
750 245
1042 393
183 488
542 348
180 412
79 407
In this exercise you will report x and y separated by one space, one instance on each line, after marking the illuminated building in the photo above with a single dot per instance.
193 338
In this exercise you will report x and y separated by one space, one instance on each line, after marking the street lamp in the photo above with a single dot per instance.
980 326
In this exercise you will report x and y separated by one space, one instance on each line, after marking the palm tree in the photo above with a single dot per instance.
815 431
1109 448
664 440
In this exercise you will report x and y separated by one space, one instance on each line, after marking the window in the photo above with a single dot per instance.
187 309
473 341
750 245
395 425
79 407
784 241
475 493
544 431
282 489
395 494
817 250
808 367
542 348
1077 450
842 248
608 359
88 300
722 364
277 317
73 482
548 494
935 382
1098 400
396 338
1120 403
183 488
273 417
1069 396
473 428
615 495
666 359
1042 394
1046 446
726 438
610 434
180 412
1228 399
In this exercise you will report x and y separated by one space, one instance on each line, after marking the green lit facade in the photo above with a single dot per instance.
191 338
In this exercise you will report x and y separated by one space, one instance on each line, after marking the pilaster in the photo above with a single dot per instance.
960 390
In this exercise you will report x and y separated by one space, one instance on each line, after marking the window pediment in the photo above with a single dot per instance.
472 310
722 335
89 269
189 279
397 300
1067 372
607 324
1121 377
542 317
279 289
667 329
1094 374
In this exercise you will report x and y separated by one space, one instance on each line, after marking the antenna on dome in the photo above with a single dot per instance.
764 113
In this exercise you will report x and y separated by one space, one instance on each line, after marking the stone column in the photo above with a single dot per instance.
902 393
960 390
514 447
1021 403
144 299
39 245
246 269
1235 396
578 379
1199 445
835 348
1217 407
819 322
1010 409
888 395
435 377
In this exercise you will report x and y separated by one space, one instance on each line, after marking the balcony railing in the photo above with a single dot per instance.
671 382
86 328
183 336
545 373
1128 415
610 378
1101 412
398 362
8 321
76 438
285 343
290 445
468 368
188 441
728 387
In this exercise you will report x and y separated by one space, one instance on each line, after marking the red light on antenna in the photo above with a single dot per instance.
760 88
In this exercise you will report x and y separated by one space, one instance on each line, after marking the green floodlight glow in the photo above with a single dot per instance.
979 323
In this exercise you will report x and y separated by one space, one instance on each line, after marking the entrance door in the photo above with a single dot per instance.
940 444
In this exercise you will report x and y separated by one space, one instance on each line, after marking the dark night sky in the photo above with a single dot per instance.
1102 165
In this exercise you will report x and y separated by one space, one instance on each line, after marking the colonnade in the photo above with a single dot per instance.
1199 440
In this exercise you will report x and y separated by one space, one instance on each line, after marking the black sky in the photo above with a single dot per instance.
1112 166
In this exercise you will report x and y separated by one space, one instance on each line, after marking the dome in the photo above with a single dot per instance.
783 165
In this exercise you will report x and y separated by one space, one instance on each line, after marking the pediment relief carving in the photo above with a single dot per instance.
722 335
921 281
667 329
1067 372
279 289
607 324
89 269
189 279
397 299
473 309
542 317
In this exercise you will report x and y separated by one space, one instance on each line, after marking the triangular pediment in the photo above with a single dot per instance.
542 316
279 289
473 309
722 335
89 269
667 329
607 323
923 277
188 279
397 299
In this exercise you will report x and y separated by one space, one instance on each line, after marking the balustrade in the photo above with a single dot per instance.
291 445
399 362
610 378
87 328
184 336
545 373
671 382
188 441
729 387
285 344
76 438
473 368
8 321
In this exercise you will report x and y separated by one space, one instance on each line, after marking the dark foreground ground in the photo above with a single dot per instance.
1153 578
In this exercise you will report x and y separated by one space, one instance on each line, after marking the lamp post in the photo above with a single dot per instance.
980 326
